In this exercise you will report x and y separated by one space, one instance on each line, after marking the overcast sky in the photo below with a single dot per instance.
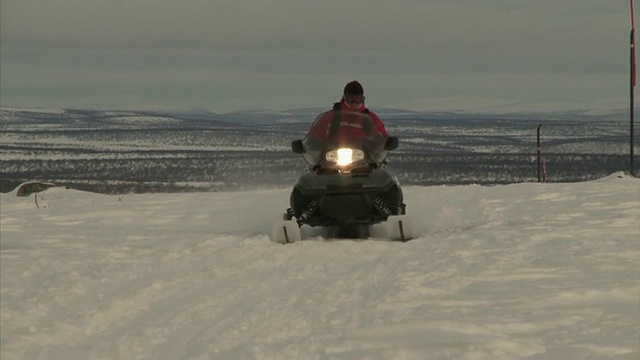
226 55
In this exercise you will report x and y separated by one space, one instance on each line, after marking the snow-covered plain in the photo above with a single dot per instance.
521 271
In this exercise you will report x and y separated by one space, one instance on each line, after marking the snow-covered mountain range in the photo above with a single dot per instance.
142 151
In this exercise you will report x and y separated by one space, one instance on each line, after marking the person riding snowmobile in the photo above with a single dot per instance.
350 198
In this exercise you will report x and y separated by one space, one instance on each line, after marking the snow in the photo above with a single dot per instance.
520 271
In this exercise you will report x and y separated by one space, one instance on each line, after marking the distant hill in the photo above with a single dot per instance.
142 151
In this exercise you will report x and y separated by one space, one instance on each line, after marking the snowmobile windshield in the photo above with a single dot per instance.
338 129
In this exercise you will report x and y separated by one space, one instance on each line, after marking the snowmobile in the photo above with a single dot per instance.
347 190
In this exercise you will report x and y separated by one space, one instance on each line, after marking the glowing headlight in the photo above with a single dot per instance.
344 156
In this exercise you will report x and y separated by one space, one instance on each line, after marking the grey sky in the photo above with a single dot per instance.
225 55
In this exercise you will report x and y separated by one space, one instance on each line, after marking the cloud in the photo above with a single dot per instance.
241 24
287 47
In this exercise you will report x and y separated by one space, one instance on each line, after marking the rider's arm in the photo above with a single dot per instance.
320 127
378 124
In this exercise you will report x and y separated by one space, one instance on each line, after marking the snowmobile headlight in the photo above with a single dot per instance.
344 156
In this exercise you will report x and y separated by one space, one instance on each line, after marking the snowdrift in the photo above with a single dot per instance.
527 271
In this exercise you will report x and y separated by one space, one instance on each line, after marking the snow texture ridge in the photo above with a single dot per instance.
522 271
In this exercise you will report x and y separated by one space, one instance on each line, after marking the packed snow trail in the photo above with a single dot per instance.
533 271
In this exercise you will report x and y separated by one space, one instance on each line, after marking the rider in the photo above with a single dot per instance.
349 122
340 119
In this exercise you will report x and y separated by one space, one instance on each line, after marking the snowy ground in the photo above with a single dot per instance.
523 271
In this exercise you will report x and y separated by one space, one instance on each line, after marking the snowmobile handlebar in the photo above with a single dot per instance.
297 146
